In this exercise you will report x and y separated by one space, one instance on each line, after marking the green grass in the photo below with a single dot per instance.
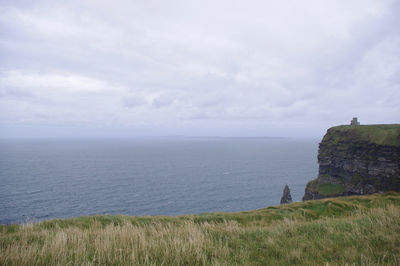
326 189
388 135
358 230
331 189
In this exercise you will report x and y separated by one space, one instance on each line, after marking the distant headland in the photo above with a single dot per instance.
357 159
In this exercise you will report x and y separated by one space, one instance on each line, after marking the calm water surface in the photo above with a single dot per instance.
67 178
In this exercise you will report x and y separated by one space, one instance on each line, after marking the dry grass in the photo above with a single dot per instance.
185 244
367 236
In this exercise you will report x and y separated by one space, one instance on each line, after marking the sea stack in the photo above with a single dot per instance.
286 197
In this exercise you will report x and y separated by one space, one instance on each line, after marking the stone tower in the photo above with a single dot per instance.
354 122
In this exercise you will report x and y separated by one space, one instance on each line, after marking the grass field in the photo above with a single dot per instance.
388 134
362 230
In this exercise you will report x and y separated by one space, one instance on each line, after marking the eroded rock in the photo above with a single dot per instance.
357 160
286 197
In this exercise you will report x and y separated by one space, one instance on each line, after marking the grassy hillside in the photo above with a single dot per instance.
348 230
375 134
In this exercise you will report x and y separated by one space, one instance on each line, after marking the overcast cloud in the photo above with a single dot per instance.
227 68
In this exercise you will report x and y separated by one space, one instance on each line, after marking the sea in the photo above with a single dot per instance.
62 178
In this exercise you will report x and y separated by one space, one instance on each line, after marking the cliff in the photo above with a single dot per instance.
357 160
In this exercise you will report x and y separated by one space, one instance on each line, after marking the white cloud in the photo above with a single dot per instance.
186 67
134 101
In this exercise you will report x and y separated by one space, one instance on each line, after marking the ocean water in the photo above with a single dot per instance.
153 176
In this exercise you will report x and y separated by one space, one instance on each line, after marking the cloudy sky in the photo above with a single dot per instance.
224 68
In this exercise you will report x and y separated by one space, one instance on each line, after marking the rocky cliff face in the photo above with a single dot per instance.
357 160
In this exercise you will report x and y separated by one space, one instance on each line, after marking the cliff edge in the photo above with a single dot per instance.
357 160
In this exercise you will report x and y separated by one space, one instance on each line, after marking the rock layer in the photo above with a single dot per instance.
357 160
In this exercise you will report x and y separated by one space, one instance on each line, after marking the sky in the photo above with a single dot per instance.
92 68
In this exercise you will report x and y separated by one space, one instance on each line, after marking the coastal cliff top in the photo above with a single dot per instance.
301 233
385 134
